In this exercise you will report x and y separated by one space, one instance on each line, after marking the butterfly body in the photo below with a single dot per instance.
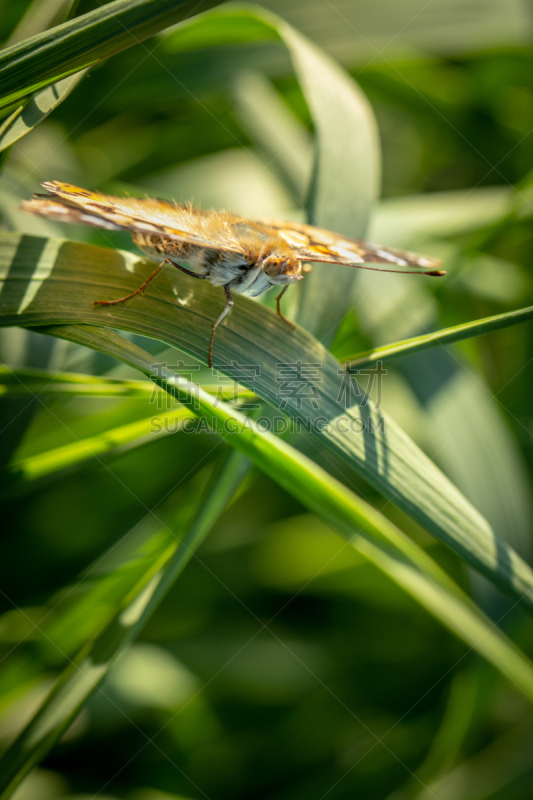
240 255
255 263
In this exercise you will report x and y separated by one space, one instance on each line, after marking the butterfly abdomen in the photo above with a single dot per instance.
159 247
219 267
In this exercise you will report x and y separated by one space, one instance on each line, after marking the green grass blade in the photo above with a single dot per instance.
347 146
69 384
275 131
365 528
16 380
116 441
51 56
50 281
348 128
464 421
110 442
113 437
456 333
165 560
24 119
39 17
79 612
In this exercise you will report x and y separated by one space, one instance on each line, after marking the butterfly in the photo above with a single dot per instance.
240 255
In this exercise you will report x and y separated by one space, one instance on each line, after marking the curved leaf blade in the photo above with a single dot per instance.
347 146
157 562
456 333
50 282
81 42
116 440
24 119
365 528
72 384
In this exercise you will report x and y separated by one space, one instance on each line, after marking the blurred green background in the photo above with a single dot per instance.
281 665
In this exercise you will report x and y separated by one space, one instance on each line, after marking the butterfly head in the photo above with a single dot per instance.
281 269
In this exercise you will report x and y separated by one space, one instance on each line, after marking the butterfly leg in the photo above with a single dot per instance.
278 304
140 290
188 271
215 324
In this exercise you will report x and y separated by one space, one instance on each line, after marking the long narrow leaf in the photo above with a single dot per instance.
24 381
53 55
24 119
53 281
39 17
347 146
116 440
456 333
92 663
364 527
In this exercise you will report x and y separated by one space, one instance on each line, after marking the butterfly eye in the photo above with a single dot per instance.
272 267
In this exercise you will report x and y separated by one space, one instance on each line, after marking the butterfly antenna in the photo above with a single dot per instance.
434 273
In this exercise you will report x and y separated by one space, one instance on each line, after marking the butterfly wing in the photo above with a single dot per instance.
316 244
68 203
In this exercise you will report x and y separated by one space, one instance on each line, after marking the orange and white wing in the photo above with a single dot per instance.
67 203
316 244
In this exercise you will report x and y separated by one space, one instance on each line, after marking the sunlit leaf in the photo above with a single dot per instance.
51 56
143 575
52 282
390 352
24 119
346 147
364 527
